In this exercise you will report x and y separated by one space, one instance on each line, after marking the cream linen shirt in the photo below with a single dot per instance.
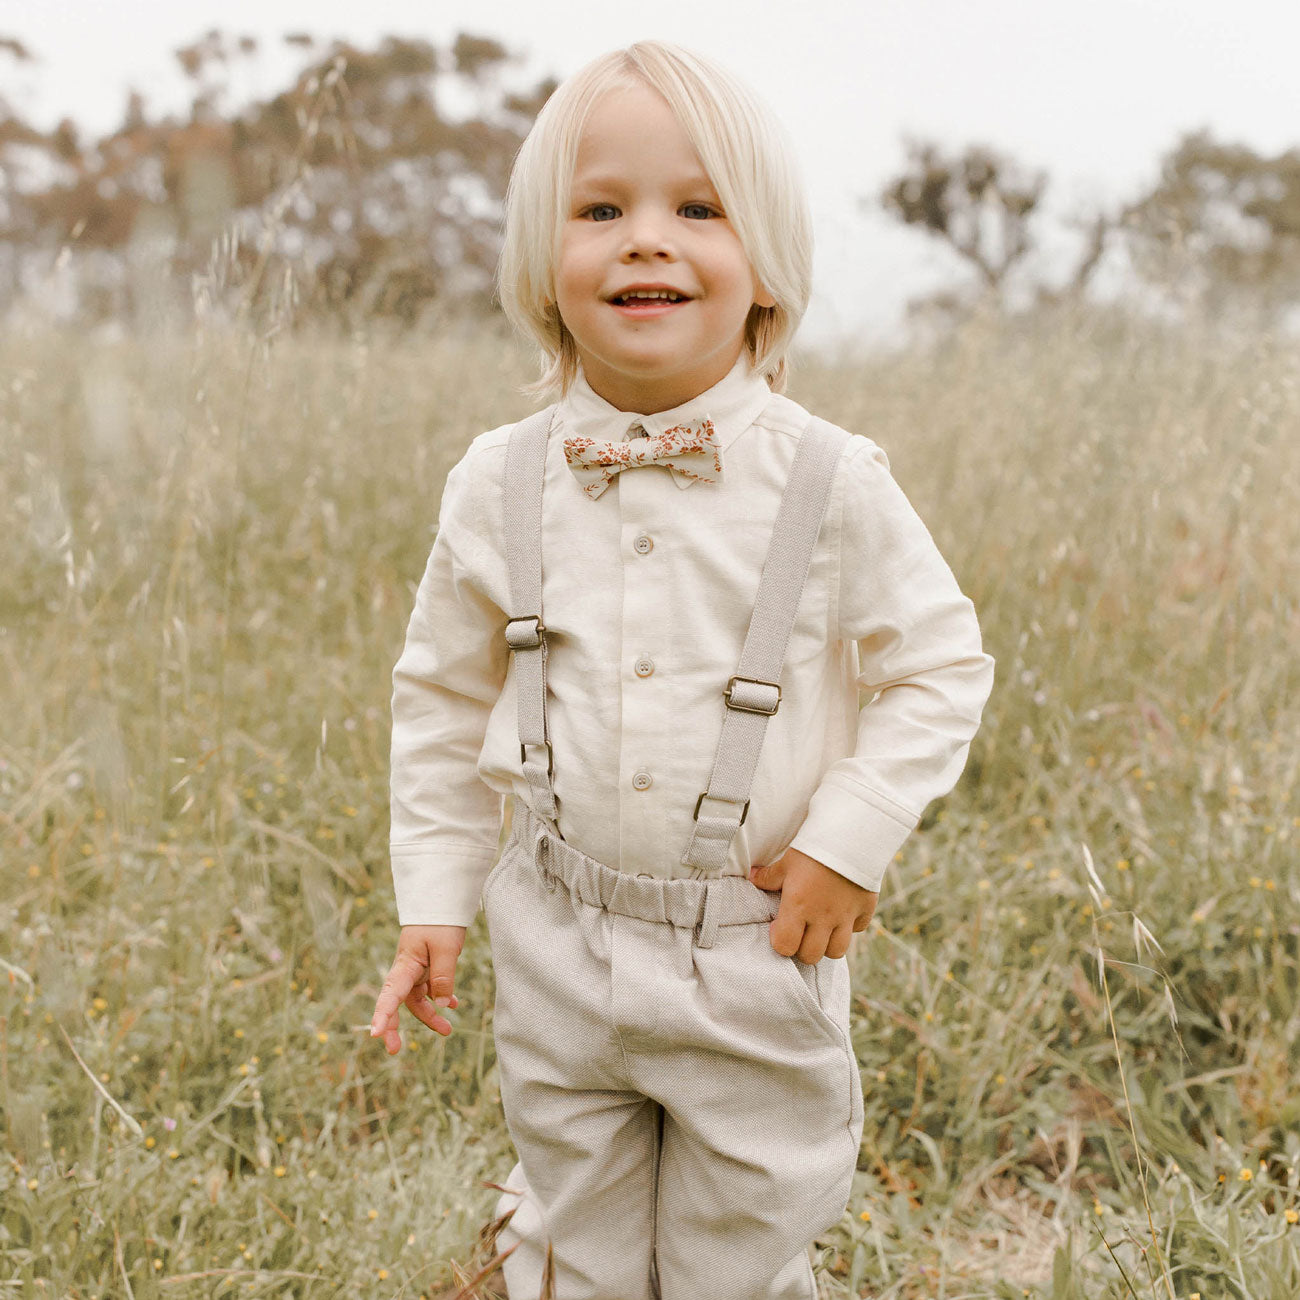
646 594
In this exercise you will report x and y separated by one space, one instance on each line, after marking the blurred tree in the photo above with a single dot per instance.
357 180
1222 227
980 204
977 203
19 142
1219 230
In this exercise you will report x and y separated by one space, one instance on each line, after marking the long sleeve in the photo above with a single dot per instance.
919 652
445 820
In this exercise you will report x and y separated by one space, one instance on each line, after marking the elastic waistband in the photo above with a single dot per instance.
701 905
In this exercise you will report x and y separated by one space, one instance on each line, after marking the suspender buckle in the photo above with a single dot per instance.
744 812
525 633
550 758
754 696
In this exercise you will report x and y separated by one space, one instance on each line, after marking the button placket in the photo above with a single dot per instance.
640 506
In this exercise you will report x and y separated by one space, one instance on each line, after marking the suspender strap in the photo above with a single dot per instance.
525 634
754 693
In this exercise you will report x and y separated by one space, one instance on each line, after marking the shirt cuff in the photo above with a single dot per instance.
853 830
437 887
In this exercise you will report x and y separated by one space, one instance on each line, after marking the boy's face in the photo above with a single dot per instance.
643 213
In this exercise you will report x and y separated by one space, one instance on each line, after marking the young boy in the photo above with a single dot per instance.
647 617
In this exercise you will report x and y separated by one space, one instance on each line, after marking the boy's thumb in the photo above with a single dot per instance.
442 978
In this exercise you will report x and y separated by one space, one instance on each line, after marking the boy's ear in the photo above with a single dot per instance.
761 296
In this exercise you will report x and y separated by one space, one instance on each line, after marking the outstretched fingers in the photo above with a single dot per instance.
409 981
420 1006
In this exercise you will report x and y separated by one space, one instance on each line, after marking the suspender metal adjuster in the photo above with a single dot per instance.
766 698
525 633
744 812
550 757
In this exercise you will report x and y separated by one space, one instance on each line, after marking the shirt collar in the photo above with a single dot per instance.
733 404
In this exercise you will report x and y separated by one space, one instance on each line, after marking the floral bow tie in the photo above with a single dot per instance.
687 449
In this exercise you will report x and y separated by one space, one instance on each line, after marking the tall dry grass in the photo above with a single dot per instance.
209 549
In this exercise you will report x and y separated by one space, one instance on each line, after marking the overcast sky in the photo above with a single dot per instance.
1091 93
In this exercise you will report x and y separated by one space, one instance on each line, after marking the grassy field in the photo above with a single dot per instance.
1076 1087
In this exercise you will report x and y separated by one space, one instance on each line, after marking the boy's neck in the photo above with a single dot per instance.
651 395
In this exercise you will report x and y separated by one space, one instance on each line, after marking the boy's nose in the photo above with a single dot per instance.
647 236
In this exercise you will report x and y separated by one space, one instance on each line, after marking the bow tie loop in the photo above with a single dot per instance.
689 450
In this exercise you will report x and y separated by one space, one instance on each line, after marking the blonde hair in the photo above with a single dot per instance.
748 157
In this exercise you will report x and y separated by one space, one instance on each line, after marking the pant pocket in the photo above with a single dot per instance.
798 982
825 987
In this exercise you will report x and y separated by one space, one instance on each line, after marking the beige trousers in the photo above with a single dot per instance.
684 1101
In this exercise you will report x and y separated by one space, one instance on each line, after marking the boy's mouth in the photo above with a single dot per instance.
641 303
633 296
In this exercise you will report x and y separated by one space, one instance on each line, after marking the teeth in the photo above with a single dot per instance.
652 293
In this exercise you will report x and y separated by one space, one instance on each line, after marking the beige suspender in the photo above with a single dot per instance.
525 634
754 693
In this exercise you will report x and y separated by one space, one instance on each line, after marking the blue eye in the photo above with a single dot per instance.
697 211
602 207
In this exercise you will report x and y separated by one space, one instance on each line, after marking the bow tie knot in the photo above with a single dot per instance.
690 450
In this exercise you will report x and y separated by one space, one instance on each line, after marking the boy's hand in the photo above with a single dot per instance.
820 909
424 969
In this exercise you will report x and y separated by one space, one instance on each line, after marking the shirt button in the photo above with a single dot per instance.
644 667
642 781
643 545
